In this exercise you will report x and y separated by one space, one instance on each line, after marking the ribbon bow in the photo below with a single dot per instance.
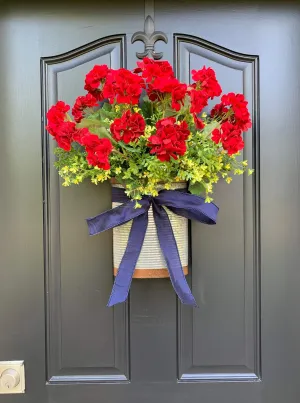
179 202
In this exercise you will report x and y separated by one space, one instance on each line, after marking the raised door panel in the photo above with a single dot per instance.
220 340
85 340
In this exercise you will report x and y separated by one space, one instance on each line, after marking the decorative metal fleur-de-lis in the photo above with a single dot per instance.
149 37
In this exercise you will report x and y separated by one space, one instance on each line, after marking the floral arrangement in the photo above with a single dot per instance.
144 127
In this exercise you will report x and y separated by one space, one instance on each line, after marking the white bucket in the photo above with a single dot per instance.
151 262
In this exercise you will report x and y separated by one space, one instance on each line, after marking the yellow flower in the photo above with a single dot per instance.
245 163
208 199
66 182
118 170
137 205
117 108
227 166
148 130
209 188
215 178
250 171
229 179
167 186
65 169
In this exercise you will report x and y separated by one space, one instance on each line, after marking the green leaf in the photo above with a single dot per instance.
106 107
102 132
128 148
106 111
169 112
147 110
210 127
196 188
92 123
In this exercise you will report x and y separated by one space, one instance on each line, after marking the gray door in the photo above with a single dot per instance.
242 344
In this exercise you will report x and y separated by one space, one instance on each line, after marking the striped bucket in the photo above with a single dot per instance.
151 262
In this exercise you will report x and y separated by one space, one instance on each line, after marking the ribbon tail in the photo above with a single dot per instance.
126 269
169 248
116 216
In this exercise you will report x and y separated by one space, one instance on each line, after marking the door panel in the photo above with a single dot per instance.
221 339
241 344
85 339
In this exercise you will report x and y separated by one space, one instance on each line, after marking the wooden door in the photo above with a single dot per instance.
241 344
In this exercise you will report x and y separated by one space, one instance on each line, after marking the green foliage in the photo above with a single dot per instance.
73 167
202 166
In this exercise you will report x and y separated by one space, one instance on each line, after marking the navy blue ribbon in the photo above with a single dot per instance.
179 202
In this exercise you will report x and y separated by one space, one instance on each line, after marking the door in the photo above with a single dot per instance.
242 344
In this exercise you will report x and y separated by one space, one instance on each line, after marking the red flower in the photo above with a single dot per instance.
82 102
198 122
160 124
61 130
216 136
169 140
93 80
63 134
161 80
208 84
98 150
128 128
218 110
230 137
57 113
182 130
178 95
238 105
123 86
79 134
198 101
163 85
152 69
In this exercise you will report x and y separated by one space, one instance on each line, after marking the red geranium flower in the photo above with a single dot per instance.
98 150
63 134
57 113
128 128
238 104
169 140
206 78
82 102
218 110
198 122
58 127
198 101
160 124
165 85
123 86
152 69
79 134
178 94
230 137
93 80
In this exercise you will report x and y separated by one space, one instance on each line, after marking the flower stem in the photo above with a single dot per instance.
119 152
